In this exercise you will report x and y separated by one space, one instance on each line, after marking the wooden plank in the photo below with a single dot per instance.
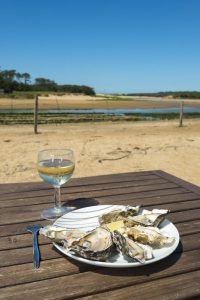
110 192
19 228
74 190
95 193
174 207
183 286
184 216
24 255
20 241
103 179
171 178
31 186
80 188
25 273
190 227
79 285
32 213
172 196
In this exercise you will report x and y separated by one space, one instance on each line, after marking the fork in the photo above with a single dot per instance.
34 229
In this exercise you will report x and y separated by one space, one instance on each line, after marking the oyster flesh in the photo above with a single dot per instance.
148 218
96 245
118 214
130 248
150 236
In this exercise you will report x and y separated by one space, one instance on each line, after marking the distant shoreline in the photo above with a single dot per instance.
91 102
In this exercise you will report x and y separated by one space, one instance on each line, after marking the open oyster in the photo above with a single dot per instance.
96 245
150 236
118 214
124 229
130 248
148 218
61 235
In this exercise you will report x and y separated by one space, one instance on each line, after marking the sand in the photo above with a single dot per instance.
104 148
91 102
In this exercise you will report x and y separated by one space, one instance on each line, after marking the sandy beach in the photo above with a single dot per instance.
92 102
104 148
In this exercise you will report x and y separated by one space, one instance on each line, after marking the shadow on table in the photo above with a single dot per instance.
143 270
147 270
81 202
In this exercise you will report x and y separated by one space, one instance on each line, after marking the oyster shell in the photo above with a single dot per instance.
148 218
130 248
61 235
150 236
97 245
118 214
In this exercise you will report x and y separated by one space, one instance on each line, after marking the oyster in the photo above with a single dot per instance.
130 248
150 236
148 218
61 235
96 245
118 214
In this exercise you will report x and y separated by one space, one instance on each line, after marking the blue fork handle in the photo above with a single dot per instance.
36 253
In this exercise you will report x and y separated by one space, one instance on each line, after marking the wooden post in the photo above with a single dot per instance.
181 114
36 115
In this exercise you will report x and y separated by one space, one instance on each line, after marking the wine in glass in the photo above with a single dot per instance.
56 166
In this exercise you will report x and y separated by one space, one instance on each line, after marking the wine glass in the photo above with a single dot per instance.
56 166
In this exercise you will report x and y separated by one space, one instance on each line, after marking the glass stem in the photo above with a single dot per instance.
57 197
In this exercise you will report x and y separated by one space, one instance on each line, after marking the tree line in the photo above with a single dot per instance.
11 80
175 95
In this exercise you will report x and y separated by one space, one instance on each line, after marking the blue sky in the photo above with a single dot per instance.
112 45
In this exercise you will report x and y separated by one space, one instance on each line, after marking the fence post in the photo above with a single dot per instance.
36 114
181 114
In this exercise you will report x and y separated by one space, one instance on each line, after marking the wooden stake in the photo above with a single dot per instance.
181 114
36 115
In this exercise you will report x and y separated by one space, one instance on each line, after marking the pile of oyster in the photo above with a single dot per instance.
125 230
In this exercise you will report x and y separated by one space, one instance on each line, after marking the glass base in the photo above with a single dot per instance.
55 212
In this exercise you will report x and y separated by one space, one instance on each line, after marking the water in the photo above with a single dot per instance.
116 112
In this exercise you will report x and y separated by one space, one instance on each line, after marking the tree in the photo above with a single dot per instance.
10 80
26 77
43 81
18 76
45 84
8 74
7 81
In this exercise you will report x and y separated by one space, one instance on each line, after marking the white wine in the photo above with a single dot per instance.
56 171
56 166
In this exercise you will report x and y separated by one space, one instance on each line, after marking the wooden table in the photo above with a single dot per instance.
175 277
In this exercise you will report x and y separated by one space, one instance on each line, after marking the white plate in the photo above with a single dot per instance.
87 218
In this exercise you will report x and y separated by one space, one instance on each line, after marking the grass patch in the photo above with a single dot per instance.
45 118
29 94
49 118
116 99
167 116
